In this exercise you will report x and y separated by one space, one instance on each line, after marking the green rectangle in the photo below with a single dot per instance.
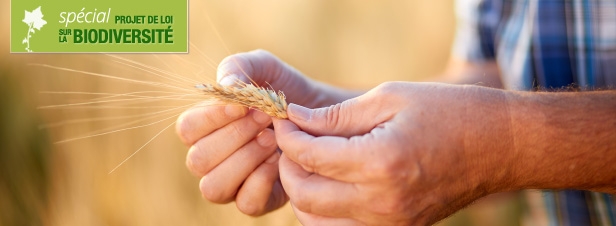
109 26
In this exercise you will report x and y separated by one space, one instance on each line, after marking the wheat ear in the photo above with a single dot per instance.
249 95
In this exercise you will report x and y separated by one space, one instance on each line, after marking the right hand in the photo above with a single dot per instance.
232 149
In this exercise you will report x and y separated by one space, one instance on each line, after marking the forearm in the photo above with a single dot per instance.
564 140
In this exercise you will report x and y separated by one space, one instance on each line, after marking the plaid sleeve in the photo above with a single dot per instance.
476 24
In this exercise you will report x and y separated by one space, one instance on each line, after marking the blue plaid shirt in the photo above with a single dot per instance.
547 45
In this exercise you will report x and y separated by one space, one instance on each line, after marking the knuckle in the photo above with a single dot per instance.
387 86
194 161
198 122
301 201
386 167
237 131
387 89
262 52
251 207
264 57
338 117
183 128
243 129
213 193
332 116
230 59
234 64
307 161
390 206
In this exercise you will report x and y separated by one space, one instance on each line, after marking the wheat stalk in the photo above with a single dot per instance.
249 95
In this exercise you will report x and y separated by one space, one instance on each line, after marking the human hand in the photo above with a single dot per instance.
403 153
231 148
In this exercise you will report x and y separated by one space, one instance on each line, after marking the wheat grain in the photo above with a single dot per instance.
249 95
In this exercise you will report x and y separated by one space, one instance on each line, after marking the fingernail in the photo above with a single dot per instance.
229 80
298 111
261 117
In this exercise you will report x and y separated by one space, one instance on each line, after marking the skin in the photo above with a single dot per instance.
402 153
230 147
414 153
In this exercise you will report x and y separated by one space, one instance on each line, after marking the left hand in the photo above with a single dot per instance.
231 148
402 154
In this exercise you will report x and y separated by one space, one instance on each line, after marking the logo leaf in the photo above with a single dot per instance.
35 18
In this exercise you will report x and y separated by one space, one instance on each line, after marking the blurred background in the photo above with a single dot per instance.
347 43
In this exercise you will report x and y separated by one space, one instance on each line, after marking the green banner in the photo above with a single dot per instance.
110 26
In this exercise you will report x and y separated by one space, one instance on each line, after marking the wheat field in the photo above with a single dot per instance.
351 44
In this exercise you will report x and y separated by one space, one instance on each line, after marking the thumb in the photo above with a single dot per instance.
350 118
265 69
235 69
257 66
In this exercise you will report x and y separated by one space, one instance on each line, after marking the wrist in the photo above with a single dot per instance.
489 141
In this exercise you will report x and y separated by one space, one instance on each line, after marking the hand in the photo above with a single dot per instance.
403 154
231 148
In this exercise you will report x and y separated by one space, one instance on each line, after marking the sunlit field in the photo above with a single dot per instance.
57 155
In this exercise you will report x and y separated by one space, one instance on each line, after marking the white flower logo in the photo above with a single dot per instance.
34 20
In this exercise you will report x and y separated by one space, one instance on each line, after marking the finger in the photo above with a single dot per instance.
202 120
211 150
265 69
262 192
312 219
315 194
221 184
344 159
352 117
